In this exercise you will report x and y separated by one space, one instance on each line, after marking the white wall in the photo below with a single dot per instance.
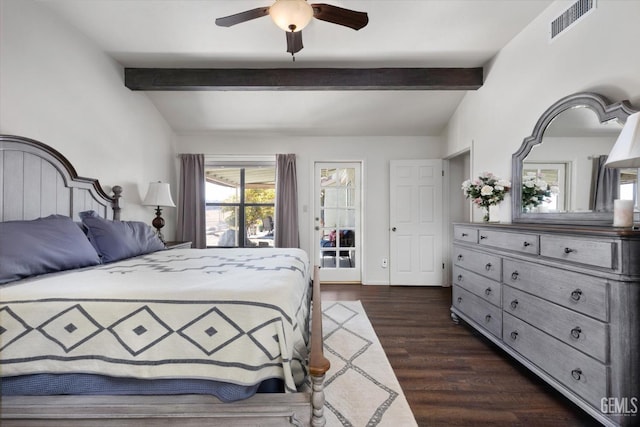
57 87
373 152
531 73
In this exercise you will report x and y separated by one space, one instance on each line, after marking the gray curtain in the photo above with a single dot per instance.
286 230
191 201
605 185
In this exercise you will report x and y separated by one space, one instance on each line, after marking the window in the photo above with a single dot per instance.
240 204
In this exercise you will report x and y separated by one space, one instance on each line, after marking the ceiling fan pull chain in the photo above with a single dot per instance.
293 52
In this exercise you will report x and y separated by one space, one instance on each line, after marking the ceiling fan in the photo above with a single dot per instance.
293 15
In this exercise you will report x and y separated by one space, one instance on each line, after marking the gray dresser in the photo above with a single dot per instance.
562 300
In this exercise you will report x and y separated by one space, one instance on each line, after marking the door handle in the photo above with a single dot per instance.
393 229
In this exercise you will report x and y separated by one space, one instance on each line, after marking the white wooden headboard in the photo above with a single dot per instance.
36 181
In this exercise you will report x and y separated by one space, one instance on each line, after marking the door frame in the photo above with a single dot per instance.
457 168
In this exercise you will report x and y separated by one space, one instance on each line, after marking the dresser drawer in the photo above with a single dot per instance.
466 234
484 264
584 251
486 315
579 331
577 371
584 294
521 242
487 289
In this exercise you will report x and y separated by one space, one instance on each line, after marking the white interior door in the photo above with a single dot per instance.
337 218
416 232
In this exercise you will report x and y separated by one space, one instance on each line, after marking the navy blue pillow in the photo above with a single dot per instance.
43 245
116 240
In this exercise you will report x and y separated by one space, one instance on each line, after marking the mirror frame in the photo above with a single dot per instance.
605 110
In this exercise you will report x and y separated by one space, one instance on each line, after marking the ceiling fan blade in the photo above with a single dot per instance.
294 41
340 16
245 16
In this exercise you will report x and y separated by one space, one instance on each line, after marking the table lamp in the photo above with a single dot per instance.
626 151
159 195
625 154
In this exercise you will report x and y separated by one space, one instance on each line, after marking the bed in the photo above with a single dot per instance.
106 327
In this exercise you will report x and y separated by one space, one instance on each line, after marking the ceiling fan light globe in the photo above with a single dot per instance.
291 15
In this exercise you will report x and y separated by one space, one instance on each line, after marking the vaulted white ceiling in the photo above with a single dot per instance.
400 33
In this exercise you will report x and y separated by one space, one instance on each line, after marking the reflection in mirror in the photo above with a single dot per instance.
544 186
569 159
629 188
558 172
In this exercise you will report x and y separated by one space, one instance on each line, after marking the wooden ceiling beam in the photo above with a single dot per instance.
190 79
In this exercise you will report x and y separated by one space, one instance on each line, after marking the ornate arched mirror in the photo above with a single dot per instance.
558 174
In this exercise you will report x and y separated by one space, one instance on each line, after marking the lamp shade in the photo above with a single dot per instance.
158 194
626 151
291 15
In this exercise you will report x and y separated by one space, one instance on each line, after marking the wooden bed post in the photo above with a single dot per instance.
115 205
318 364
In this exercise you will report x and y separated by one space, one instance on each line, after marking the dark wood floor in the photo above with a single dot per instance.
451 375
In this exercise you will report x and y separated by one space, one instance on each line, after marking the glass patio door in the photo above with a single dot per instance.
337 221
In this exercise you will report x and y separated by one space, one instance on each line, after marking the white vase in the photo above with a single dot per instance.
494 213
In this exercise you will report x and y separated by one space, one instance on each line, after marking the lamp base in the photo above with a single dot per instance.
158 223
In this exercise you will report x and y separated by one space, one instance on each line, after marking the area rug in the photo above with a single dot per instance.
361 388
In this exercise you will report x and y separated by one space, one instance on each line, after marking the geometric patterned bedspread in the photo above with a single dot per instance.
234 315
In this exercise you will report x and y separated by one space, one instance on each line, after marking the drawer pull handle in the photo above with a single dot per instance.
487 318
460 257
514 304
482 237
459 300
459 277
464 234
568 250
577 374
575 333
487 266
487 291
514 335
514 275
526 244
576 295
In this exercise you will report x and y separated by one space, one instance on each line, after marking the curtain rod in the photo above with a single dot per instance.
269 158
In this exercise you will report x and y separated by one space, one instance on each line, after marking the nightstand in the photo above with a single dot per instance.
177 245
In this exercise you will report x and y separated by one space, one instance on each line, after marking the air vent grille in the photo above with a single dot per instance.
578 10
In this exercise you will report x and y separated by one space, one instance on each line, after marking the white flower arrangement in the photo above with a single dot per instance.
486 190
535 191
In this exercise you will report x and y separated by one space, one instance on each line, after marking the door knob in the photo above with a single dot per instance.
393 229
